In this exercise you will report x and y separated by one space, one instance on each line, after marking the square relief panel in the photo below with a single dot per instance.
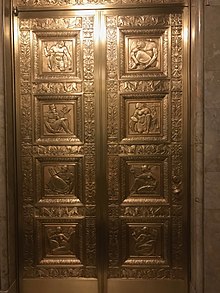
56 55
147 243
58 120
144 180
59 243
59 180
144 118
143 53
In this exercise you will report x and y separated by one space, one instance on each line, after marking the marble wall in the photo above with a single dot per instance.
7 199
212 147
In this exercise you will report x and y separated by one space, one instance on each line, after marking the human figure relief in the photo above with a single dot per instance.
145 241
144 180
143 54
144 119
60 242
59 57
57 121
61 180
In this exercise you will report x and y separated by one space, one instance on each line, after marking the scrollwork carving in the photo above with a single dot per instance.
68 3
114 244
177 236
177 181
160 149
152 273
59 212
57 87
28 247
90 189
54 150
143 20
89 109
27 180
54 23
90 242
42 272
145 212
26 122
112 53
113 179
150 86
177 117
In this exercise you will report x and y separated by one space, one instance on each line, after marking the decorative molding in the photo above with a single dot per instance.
109 3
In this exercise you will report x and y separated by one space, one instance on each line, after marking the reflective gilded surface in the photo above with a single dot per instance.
101 130
57 146
93 3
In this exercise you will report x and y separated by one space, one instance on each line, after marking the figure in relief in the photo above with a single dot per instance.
57 121
61 180
144 119
58 56
144 180
60 242
143 54
145 240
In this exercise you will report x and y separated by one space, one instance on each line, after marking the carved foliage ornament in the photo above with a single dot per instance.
145 181
63 3
53 52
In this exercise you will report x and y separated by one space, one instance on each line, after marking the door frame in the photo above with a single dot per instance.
7 176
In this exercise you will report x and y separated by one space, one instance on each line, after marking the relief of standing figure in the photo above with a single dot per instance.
59 57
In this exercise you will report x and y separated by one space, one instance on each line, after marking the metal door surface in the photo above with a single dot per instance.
101 123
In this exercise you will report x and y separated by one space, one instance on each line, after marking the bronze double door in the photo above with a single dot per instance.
101 99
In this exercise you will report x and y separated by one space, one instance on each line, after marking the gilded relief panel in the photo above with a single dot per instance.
144 52
144 118
59 243
145 242
56 55
59 178
144 179
58 119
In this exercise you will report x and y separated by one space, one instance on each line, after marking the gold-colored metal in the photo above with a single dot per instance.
56 147
146 90
93 4
102 157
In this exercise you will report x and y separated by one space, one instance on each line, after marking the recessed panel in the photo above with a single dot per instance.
58 119
144 52
144 118
55 55
144 179
147 243
59 180
58 243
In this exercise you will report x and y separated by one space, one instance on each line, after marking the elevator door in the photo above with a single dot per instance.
101 111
